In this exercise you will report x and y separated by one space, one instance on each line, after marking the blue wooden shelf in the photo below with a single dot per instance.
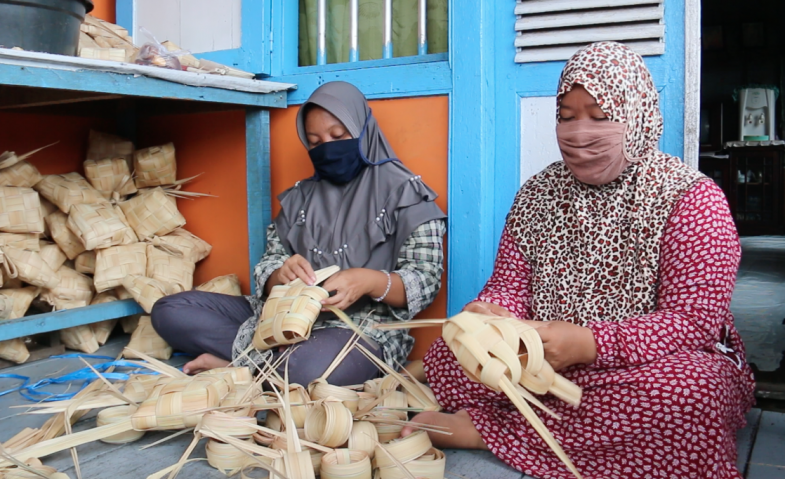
42 80
67 318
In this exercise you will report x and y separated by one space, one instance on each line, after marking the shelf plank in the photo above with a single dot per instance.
42 323
23 74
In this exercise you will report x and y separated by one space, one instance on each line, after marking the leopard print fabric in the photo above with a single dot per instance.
595 250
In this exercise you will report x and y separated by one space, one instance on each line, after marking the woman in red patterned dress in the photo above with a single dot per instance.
624 259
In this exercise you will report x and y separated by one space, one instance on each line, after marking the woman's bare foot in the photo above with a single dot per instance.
204 362
464 435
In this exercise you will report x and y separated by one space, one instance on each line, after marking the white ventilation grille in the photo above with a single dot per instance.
549 30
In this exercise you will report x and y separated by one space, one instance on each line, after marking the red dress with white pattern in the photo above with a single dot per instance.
666 394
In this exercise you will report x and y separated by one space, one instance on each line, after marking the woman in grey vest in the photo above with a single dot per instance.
362 210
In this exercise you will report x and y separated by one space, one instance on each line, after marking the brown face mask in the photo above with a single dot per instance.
593 150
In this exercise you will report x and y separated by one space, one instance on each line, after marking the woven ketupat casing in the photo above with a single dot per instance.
68 190
227 284
31 267
180 403
62 235
155 166
151 213
22 174
74 290
147 341
85 262
115 263
146 291
183 242
21 240
177 271
109 176
288 315
20 210
103 145
98 226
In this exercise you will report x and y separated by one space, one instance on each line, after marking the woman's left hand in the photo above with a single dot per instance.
349 285
566 344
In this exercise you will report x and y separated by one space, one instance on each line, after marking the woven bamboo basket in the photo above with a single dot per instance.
115 263
181 402
146 340
28 241
345 464
328 423
489 350
20 210
139 386
396 402
295 464
387 431
430 465
130 235
22 174
79 338
228 425
184 243
167 268
227 284
74 290
373 386
52 254
68 190
103 145
364 437
40 471
320 389
62 235
6 306
405 449
85 262
97 226
225 457
111 177
31 267
151 213
288 315
114 415
146 291
103 329
155 166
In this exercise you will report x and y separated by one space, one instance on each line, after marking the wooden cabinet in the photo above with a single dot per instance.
752 179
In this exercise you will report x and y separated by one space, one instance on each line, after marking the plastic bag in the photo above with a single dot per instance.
154 53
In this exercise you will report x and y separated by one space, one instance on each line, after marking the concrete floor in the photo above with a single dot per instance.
759 300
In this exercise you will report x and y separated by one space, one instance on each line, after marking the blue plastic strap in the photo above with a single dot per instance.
34 392
25 380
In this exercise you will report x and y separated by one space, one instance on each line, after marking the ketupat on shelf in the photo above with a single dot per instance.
35 82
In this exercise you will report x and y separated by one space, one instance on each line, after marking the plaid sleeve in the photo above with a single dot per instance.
420 266
274 256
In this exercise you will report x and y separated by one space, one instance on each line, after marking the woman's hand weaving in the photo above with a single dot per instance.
566 344
349 286
296 267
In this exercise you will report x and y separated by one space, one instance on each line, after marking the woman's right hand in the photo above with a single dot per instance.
489 309
296 267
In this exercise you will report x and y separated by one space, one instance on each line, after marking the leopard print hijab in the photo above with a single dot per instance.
595 250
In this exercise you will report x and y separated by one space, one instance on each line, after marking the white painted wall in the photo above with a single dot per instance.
195 25
538 135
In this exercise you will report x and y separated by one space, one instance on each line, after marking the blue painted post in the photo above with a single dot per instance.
124 14
471 165
257 145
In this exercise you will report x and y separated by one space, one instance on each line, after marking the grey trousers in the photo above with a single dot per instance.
197 322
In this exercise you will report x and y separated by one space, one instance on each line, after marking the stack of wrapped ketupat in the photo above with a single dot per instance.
74 240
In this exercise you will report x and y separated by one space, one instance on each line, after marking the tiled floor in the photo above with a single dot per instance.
761 444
